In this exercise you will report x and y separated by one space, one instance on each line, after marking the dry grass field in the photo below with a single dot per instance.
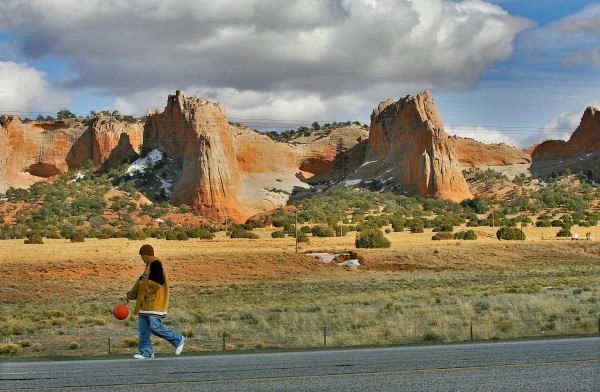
56 298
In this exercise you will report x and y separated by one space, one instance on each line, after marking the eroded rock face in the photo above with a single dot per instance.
317 152
471 153
585 139
196 134
408 149
30 153
107 142
37 151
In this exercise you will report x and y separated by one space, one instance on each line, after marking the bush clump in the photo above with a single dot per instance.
465 235
34 237
77 236
443 235
278 234
371 238
564 232
510 233
322 231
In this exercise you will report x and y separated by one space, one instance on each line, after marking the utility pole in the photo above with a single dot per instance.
521 219
341 225
225 212
296 229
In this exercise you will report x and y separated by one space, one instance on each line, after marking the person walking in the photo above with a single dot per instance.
151 293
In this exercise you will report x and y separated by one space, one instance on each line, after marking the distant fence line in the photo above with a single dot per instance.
112 341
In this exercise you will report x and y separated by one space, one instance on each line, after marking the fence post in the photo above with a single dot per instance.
325 335
471 331
109 345
598 324
224 335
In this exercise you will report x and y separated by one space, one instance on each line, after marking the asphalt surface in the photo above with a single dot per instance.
540 365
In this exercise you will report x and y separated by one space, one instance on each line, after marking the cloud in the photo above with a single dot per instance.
24 88
581 56
580 31
583 22
562 126
482 134
300 52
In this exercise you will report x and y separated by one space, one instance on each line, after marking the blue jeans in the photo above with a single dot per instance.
153 325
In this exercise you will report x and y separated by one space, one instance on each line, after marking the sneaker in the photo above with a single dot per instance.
140 356
179 348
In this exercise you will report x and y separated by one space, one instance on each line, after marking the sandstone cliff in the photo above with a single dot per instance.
408 150
579 153
37 151
471 153
586 138
316 152
228 171
268 171
196 134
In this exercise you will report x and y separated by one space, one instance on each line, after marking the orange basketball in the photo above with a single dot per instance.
121 312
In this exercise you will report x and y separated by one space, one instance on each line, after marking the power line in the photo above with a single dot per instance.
280 124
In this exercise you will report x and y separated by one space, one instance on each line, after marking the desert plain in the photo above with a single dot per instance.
257 294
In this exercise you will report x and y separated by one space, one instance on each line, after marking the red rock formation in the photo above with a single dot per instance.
107 142
585 139
196 133
471 153
408 147
316 153
31 152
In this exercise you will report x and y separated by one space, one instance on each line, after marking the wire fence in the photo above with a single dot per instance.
122 339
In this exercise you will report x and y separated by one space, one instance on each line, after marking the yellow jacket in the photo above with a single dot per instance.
152 298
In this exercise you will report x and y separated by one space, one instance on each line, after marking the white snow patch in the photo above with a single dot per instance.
352 182
166 185
350 263
327 257
159 220
79 176
139 166
367 163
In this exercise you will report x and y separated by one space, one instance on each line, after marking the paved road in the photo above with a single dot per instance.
542 365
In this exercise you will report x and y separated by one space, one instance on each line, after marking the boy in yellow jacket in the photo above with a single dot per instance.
151 292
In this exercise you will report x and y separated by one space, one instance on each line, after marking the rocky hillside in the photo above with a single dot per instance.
38 151
226 170
409 151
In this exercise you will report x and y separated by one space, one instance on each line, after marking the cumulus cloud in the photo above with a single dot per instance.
24 88
292 54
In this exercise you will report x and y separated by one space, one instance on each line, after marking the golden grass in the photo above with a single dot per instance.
255 294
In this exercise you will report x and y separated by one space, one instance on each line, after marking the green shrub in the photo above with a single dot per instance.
305 229
240 232
371 238
543 223
303 237
564 232
443 235
34 237
77 236
136 235
465 235
322 231
510 233
278 234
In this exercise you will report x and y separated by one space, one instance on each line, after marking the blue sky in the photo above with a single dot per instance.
510 71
